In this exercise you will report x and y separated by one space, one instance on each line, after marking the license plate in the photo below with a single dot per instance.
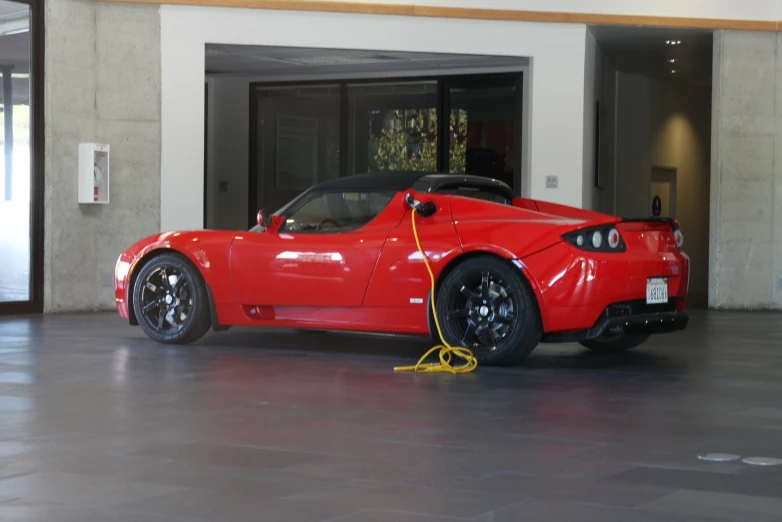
657 290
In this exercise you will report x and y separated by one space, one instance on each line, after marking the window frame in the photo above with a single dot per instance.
34 304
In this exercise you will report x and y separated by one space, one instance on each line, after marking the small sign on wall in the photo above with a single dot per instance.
93 173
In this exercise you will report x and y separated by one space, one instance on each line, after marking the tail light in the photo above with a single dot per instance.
678 237
598 239
614 238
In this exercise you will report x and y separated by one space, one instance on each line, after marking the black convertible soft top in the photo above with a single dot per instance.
379 181
417 181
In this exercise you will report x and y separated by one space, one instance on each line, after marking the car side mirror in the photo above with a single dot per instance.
264 219
269 222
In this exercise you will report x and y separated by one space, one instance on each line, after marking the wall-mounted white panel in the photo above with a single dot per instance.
93 173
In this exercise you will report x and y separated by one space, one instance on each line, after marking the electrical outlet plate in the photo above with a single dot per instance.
106 278
552 182
779 282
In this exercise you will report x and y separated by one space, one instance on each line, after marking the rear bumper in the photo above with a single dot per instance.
632 317
575 290
654 323
641 324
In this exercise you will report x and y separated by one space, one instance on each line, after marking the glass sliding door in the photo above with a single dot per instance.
20 133
296 142
485 127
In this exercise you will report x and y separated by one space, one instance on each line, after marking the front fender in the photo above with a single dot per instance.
207 251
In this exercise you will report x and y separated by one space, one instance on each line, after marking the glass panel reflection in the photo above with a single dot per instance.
393 126
297 140
482 127
15 193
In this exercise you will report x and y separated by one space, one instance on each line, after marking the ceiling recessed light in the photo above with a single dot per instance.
673 71
673 42
673 60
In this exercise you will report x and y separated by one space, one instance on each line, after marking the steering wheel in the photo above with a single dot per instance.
326 221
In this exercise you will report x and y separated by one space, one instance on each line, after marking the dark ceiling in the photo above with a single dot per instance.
645 52
294 63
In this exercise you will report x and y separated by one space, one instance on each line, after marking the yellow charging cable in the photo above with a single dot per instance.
446 350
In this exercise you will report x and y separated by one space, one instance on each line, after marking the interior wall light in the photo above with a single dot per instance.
673 60
673 42
673 71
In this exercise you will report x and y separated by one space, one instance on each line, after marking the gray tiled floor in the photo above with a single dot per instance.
97 423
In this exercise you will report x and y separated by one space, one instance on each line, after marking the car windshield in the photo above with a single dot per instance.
464 190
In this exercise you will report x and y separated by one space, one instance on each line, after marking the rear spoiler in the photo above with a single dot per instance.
657 219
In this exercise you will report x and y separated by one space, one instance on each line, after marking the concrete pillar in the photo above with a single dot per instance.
746 180
102 84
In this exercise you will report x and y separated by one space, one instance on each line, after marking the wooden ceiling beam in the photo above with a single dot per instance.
476 13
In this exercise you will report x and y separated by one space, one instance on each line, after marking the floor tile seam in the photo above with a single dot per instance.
395 511
649 506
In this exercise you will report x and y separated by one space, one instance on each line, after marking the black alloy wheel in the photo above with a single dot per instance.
170 300
485 305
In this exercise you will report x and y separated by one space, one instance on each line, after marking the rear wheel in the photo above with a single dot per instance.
485 305
170 300
614 342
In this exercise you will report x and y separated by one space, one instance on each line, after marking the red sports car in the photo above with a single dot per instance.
510 272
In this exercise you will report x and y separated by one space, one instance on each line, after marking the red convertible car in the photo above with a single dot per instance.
510 272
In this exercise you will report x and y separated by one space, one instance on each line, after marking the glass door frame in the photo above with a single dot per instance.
34 305
444 85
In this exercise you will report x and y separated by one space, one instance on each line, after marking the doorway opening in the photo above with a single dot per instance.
317 114
655 132
662 184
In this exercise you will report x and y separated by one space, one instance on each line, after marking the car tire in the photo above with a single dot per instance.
485 304
157 302
615 344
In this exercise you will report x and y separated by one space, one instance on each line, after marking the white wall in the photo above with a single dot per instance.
666 124
728 9
556 91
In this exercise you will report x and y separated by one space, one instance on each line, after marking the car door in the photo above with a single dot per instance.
323 254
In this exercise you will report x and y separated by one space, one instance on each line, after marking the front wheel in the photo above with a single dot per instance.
615 342
485 305
170 300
